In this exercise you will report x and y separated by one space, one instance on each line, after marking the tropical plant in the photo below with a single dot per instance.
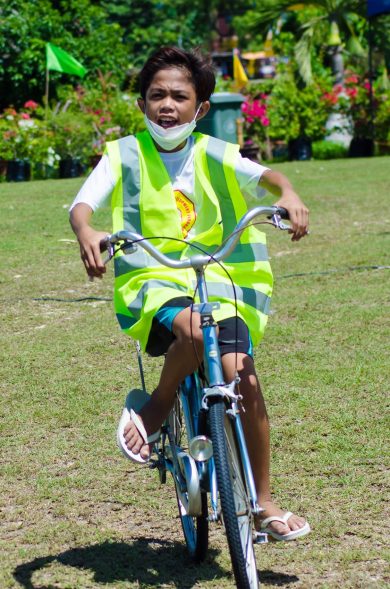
295 112
330 24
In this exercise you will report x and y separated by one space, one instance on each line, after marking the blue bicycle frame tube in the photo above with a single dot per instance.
212 355
191 403
245 458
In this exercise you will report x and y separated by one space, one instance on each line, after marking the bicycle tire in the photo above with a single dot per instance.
235 506
195 529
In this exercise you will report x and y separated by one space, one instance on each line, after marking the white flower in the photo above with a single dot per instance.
26 123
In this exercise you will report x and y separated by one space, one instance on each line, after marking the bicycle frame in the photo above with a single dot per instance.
213 369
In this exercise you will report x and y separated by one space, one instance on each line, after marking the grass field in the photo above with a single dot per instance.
76 515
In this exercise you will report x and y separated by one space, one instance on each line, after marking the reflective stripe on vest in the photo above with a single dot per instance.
143 201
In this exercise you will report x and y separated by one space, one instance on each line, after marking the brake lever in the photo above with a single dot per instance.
106 245
276 220
127 248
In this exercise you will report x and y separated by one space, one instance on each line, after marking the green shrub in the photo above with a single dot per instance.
294 112
328 150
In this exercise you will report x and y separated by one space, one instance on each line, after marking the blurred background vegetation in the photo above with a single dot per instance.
307 64
116 35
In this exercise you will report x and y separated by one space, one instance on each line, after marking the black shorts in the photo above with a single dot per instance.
233 332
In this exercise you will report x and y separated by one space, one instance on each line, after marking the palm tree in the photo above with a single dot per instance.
343 19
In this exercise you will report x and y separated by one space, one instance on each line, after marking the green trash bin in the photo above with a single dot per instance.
221 120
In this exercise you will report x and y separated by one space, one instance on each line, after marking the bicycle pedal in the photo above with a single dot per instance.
260 538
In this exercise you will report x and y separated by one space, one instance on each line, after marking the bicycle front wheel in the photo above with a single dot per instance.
235 505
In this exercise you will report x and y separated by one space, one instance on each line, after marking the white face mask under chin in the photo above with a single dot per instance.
172 137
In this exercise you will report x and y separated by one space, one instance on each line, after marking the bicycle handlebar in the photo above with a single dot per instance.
198 260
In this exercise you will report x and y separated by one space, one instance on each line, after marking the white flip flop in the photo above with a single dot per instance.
134 401
283 520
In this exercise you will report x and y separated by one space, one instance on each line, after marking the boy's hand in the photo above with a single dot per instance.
298 213
279 185
89 240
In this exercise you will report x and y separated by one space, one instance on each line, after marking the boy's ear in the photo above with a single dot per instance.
141 104
204 109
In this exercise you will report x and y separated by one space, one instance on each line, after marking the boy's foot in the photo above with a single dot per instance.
279 524
137 421
135 441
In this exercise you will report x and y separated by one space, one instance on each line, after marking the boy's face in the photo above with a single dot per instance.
171 99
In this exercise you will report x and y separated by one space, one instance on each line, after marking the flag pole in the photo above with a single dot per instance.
47 96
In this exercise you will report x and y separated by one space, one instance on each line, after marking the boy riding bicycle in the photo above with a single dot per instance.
171 182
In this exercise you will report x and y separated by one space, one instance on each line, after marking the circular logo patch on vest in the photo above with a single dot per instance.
186 209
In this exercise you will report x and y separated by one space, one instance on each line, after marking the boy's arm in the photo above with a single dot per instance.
280 186
89 239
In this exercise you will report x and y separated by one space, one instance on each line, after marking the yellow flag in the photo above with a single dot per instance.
239 74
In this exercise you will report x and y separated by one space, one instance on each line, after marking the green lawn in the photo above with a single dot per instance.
76 515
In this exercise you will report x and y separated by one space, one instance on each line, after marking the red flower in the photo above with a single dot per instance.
352 92
330 97
24 115
31 104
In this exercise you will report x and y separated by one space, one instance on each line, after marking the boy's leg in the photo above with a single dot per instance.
180 361
257 435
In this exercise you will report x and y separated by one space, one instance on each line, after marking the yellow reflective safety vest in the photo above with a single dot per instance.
143 201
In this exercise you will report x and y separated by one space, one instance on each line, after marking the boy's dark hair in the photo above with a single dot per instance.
199 68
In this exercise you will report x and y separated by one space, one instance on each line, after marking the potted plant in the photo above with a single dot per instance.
72 132
43 157
107 113
255 132
382 124
297 116
358 103
16 131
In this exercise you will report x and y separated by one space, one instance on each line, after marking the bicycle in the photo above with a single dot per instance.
202 444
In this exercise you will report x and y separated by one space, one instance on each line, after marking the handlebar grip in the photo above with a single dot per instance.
104 244
283 213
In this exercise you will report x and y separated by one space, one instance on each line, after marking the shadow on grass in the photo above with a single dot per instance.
145 562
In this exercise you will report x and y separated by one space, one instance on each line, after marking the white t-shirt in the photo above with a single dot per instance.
99 185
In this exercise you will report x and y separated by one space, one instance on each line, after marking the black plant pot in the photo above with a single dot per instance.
43 171
18 171
70 168
280 151
300 149
250 151
361 147
94 160
3 169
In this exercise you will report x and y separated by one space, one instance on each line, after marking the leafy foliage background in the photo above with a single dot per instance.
111 36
